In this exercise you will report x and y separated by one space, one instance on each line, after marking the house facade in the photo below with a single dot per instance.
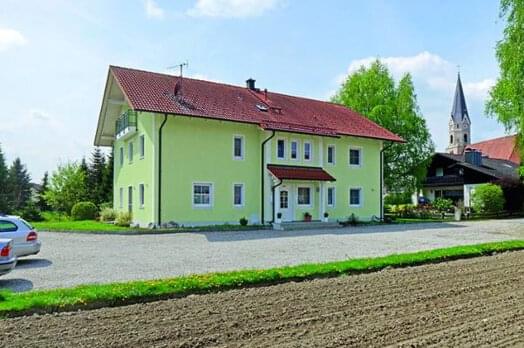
196 152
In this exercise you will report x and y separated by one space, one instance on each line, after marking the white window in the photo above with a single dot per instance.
121 198
294 150
202 195
141 195
121 156
331 154
238 147
355 198
281 149
307 151
142 146
331 196
440 172
130 152
238 195
304 196
355 157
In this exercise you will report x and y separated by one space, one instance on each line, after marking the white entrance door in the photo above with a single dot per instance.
284 204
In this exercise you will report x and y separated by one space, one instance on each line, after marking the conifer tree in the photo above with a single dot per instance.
19 185
4 206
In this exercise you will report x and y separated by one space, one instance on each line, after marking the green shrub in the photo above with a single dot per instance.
243 221
108 214
31 213
123 219
398 198
104 205
442 205
403 210
488 198
84 211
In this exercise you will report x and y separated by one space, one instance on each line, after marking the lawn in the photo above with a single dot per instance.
97 296
102 227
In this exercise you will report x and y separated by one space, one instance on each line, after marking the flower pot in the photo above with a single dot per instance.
458 214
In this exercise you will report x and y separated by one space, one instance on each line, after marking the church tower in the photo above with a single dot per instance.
459 124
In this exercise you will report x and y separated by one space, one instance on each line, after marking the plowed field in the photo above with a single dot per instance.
475 302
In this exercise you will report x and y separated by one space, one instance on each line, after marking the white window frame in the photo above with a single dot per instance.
130 151
284 148
211 195
121 155
334 196
310 195
242 194
294 141
310 151
242 147
360 156
142 145
121 198
141 195
360 196
332 146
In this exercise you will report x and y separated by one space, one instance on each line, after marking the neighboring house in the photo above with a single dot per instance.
505 148
456 176
197 152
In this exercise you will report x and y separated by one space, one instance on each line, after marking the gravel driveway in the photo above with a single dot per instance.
72 259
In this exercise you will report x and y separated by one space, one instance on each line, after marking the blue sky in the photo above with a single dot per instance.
54 57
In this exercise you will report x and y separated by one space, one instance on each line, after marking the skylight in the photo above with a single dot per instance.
262 108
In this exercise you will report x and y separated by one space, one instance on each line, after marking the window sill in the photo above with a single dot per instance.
355 205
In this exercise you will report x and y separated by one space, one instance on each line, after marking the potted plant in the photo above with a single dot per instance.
279 218
326 216
307 216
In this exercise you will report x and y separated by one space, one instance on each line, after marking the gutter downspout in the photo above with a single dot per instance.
160 170
262 171
382 180
273 192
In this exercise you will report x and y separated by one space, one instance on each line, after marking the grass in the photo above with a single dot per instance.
101 227
96 296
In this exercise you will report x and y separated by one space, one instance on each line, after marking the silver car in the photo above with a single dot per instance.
7 257
24 236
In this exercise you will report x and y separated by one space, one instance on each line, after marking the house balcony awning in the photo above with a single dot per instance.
287 172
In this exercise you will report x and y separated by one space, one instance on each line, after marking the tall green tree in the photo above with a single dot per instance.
4 200
67 187
41 202
373 93
506 98
95 176
107 182
19 185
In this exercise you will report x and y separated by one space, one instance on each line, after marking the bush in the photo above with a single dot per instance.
488 198
398 198
403 210
123 219
513 190
108 214
31 213
442 205
243 221
84 211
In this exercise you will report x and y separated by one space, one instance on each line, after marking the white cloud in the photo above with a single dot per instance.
10 38
153 10
231 8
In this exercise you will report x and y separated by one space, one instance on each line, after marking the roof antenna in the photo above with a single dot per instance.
178 86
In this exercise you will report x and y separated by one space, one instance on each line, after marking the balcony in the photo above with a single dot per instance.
126 124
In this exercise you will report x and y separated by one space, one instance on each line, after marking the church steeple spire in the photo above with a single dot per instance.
459 111
459 123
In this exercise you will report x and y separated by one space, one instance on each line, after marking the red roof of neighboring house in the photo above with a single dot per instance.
154 92
505 148
284 172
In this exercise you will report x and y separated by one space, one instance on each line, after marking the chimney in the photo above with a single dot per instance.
473 156
250 84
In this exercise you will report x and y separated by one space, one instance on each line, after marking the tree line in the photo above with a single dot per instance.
88 180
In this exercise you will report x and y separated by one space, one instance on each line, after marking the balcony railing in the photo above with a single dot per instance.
125 124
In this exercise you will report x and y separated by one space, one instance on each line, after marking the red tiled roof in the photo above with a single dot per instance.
299 173
505 148
154 92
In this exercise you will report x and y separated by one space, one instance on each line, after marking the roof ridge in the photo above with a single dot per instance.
493 139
